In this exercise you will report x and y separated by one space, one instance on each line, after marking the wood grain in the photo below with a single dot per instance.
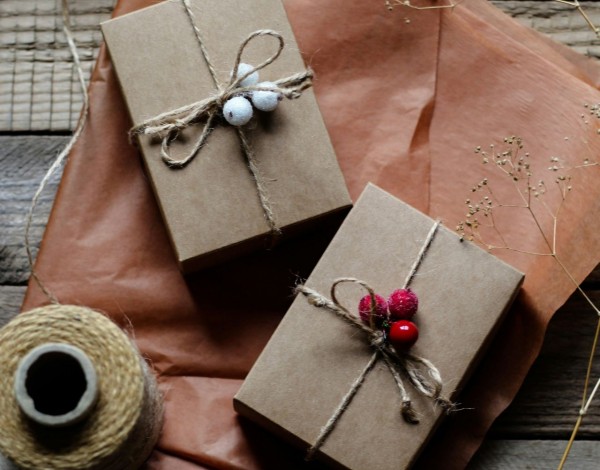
535 455
38 85
11 298
561 22
23 162
550 398
38 92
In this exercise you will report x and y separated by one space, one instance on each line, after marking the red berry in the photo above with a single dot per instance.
379 314
403 304
403 334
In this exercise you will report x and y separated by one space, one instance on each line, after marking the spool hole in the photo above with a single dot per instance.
56 383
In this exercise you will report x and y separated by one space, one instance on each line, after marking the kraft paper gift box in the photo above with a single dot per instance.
314 356
211 208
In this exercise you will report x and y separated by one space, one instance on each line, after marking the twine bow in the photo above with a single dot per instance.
421 372
168 125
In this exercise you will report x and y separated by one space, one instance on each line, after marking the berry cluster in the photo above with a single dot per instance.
237 111
393 316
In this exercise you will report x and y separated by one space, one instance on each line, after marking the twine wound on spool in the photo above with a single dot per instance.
168 126
119 419
56 385
422 373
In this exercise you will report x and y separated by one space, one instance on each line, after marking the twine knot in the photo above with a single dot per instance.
378 339
168 125
422 373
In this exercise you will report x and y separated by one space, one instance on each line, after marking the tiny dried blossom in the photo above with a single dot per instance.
514 164
390 4
470 229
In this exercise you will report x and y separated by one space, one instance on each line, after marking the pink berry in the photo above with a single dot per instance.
403 304
403 334
380 312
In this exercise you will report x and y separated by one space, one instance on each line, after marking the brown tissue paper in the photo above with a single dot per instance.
314 357
405 104
211 207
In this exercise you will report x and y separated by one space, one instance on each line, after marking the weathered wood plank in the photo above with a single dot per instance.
38 85
549 401
11 298
561 22
23 163
535 455
547 405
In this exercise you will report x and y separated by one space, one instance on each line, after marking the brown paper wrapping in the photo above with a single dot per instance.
404 103
211 207
314 357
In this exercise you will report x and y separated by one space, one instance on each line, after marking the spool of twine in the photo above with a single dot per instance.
75 393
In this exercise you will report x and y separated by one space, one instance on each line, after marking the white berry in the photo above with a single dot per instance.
237 111
242 70
266 100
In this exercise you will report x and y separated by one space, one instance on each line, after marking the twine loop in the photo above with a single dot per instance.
421 373
168 125
378 339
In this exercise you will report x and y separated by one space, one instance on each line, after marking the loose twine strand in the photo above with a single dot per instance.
422 373
167 126
67 25
116 439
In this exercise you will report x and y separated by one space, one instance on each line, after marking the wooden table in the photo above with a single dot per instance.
39 105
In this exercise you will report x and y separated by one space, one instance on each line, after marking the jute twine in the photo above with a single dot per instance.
125 424
167 126
421 372
62 156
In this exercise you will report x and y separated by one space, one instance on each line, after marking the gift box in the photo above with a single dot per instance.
221 204
315 357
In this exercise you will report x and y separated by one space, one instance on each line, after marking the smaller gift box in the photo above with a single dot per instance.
315 357
247 184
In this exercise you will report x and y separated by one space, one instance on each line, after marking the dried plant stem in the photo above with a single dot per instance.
567 451
585 296
390 4
579 8
585 400
513 164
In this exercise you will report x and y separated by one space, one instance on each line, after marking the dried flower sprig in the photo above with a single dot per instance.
450 4
532 196
390 4
575 4
514 164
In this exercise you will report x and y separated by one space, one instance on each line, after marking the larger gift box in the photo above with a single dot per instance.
211 207
314 357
